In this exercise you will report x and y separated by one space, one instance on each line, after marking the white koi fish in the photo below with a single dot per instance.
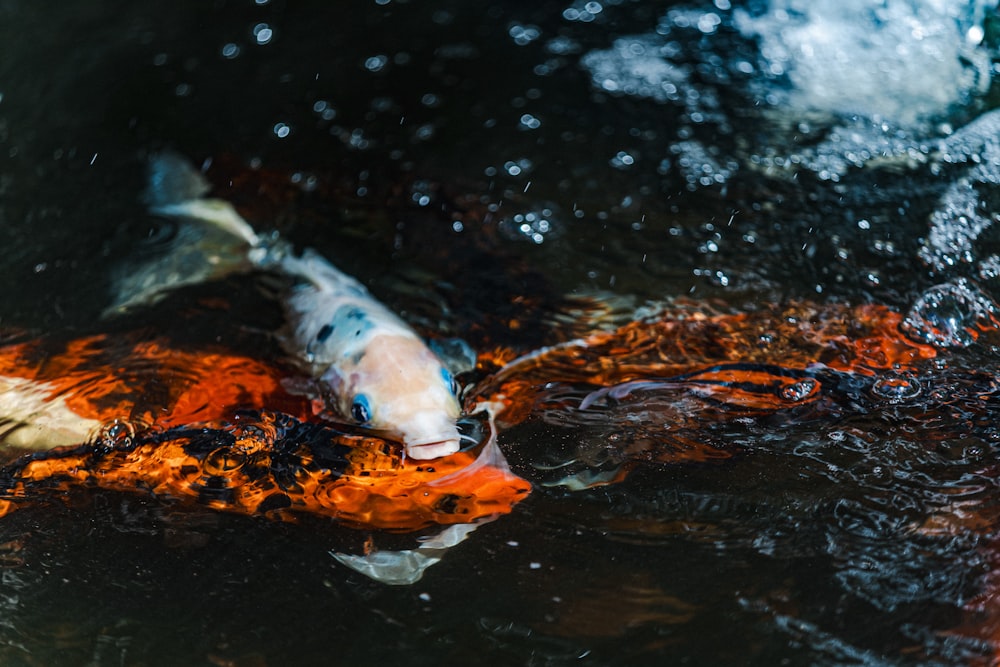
367 365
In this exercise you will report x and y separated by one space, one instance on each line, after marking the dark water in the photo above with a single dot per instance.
806 544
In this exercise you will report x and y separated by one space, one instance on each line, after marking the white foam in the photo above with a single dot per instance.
896 60
961 216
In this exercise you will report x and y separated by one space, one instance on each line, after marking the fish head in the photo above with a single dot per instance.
400 388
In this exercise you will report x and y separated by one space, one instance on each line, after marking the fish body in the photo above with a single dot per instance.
273 465
367 366
56 393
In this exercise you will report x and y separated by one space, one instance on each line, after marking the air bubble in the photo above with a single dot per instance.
116 434
896 388
799 391
951 315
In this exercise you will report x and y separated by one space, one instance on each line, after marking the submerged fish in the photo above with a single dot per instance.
262 463
275 466
367 366
56 393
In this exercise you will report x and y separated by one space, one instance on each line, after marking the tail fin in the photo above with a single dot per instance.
177 190
209 239
171 180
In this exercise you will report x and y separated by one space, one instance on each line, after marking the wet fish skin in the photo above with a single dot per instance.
368 366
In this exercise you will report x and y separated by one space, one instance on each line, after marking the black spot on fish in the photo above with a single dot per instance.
448 504
353 317
324 333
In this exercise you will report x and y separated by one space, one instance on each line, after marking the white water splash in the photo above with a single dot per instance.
900 61
845 83
642 66
961 215
952 314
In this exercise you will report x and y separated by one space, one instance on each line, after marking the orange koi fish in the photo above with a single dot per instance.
204 429
63 394
760 360
273 465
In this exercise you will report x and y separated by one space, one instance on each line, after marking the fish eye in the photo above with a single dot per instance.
361 409
450 381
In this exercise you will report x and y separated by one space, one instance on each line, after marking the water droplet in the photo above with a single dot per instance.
622 160
224 461
376 63
524 34
116 434
951 315
529 122
263 33
798 391
974 452
896 388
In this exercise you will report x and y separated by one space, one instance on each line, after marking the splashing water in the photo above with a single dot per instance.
961 215
896 387
850 83
900 61
639 66
951 315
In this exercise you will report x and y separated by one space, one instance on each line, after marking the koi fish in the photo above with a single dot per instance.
278 467
55 394
261 463
367 366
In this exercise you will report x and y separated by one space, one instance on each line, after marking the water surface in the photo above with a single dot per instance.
467 161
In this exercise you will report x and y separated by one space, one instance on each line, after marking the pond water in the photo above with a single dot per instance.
485 169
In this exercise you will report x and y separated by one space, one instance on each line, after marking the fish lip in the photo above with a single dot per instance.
432 448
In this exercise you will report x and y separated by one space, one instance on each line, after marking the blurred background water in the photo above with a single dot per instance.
739 151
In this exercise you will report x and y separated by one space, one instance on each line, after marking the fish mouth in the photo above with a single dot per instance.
432 449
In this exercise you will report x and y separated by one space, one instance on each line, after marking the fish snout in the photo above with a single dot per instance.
430 440
432 449
429 433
